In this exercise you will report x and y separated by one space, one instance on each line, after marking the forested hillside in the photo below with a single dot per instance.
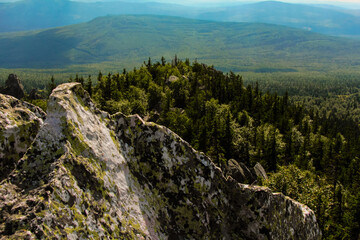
27 15
331 21
114 41
310 153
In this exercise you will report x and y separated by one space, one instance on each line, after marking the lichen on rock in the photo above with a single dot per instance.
95 176
195 200
19 124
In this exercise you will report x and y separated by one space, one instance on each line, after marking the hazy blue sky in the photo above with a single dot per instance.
345 3
342 3
233 1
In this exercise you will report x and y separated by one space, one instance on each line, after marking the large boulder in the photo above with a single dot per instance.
240 172
89 175
13 87
259 171
19 124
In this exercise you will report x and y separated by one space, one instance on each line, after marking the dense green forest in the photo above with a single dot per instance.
309 144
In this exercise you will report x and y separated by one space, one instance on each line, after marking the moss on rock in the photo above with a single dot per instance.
19 124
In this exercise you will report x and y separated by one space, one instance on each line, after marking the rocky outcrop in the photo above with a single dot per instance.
259 171
172 79
19 124
240 172
95 176
13 87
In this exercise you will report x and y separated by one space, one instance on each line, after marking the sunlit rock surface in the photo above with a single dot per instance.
94 176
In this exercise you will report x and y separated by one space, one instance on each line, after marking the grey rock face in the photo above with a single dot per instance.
236 172
259 171
13 87
19 124
240 172
249 175
91 175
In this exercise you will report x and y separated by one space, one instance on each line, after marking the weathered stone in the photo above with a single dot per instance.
94 176
248 174
13 87
240 172
19 124
235 171
172 79
259 171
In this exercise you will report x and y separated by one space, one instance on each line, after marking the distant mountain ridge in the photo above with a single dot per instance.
135 38
329 21
39 14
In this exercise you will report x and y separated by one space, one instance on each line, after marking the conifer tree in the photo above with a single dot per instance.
89 86
52 85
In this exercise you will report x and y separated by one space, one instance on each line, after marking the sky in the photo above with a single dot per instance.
354 4
342 3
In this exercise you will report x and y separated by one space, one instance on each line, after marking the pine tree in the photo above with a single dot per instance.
163 61
271 153
148 64
81 80
228 136
77 79
107 89
99 78
52 85
89 86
